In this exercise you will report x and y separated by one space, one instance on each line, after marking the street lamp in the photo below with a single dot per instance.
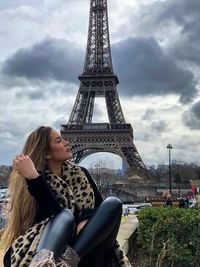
169 146
98 180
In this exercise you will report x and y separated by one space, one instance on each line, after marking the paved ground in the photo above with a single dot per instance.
127 227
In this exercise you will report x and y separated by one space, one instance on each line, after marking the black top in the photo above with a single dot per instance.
49 206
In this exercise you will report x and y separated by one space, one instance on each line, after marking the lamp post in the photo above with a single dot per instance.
169 146
98 179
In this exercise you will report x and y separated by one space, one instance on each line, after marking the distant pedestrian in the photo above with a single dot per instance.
127 211
181 203
168 203
187 202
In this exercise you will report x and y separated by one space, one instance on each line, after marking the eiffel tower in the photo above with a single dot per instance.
99 80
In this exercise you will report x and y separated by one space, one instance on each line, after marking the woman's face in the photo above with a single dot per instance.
59 148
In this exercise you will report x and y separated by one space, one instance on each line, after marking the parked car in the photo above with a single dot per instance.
3 193
193 203
134 208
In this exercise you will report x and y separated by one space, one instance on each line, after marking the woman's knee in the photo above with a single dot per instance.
66 217
113 205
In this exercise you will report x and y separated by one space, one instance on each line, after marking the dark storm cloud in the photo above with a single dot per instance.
182 11
38 90
191 118
188 51
34 95
186 15
144 69
51 59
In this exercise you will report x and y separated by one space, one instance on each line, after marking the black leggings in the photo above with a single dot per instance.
94 242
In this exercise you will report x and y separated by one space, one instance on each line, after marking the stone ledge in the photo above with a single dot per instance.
126 232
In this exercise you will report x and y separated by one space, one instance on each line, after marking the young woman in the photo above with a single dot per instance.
57 216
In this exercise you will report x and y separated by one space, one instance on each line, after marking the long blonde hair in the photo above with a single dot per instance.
22 206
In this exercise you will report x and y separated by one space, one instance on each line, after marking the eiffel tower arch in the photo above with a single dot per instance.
99 80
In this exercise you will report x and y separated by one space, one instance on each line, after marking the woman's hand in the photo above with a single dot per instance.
80 226
25 166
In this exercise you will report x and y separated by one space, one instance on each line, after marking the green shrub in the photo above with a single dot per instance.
170 236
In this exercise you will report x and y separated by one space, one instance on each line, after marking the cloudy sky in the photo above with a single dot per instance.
156 55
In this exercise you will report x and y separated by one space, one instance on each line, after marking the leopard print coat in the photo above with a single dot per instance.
72 189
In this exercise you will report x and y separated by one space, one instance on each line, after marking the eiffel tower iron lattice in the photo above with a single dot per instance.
98 80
